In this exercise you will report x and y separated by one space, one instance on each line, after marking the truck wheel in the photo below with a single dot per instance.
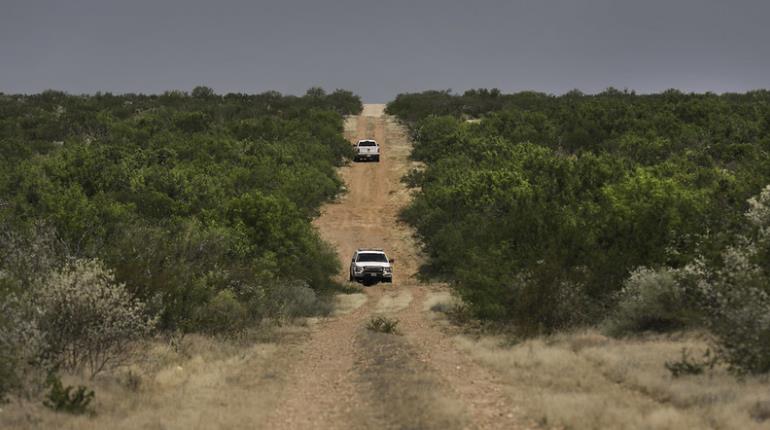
377 158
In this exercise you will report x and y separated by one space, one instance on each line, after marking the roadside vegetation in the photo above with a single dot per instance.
620 241
634 212
124 217
585 380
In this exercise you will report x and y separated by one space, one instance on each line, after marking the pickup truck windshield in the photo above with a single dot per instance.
368 143
373 257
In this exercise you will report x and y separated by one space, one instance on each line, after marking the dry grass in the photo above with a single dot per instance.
347 303
439 301
391 303
201 382
587 381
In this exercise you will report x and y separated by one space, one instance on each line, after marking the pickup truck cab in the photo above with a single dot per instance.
367 149
370 266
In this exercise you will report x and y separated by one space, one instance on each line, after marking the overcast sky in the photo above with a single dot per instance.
379 48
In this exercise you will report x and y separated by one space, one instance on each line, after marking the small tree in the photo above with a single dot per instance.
202 92
89 319
315 92
651 300
740 292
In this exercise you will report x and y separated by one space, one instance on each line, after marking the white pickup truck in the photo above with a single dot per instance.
370 266
367 149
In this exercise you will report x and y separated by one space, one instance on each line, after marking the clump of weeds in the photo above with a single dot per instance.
382 324
690 366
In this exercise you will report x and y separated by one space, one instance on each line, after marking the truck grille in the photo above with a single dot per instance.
372 269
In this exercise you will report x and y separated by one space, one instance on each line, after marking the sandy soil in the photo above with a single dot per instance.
349 377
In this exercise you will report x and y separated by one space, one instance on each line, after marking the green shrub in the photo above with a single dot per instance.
222 314
22 345
535 302
739 311
382 324
296 299
731 300
651 300
73 400
27 254
738 294
689 366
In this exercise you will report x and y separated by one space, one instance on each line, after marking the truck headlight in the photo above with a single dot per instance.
358 269
388 270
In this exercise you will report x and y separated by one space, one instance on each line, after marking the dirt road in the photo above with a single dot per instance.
349 377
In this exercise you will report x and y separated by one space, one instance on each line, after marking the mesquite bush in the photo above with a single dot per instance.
740 293
651 300
90 320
